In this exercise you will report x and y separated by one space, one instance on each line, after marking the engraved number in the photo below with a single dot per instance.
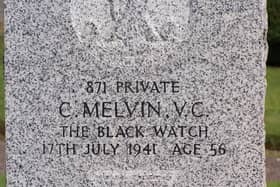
96 87
217 149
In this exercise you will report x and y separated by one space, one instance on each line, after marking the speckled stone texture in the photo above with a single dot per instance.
214 52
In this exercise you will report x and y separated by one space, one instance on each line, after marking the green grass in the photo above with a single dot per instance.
272 108
2 180
273 184
273 7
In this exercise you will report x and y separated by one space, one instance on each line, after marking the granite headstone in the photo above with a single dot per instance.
135 92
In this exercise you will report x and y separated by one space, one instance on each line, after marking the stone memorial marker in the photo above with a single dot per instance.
135 92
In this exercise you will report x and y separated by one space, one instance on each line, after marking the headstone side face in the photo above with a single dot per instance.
135 93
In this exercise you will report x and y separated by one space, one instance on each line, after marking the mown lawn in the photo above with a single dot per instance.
2 181
274 184
272 109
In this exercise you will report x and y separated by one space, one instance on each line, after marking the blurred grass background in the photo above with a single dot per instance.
273 7
2 181
273 184
272 109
